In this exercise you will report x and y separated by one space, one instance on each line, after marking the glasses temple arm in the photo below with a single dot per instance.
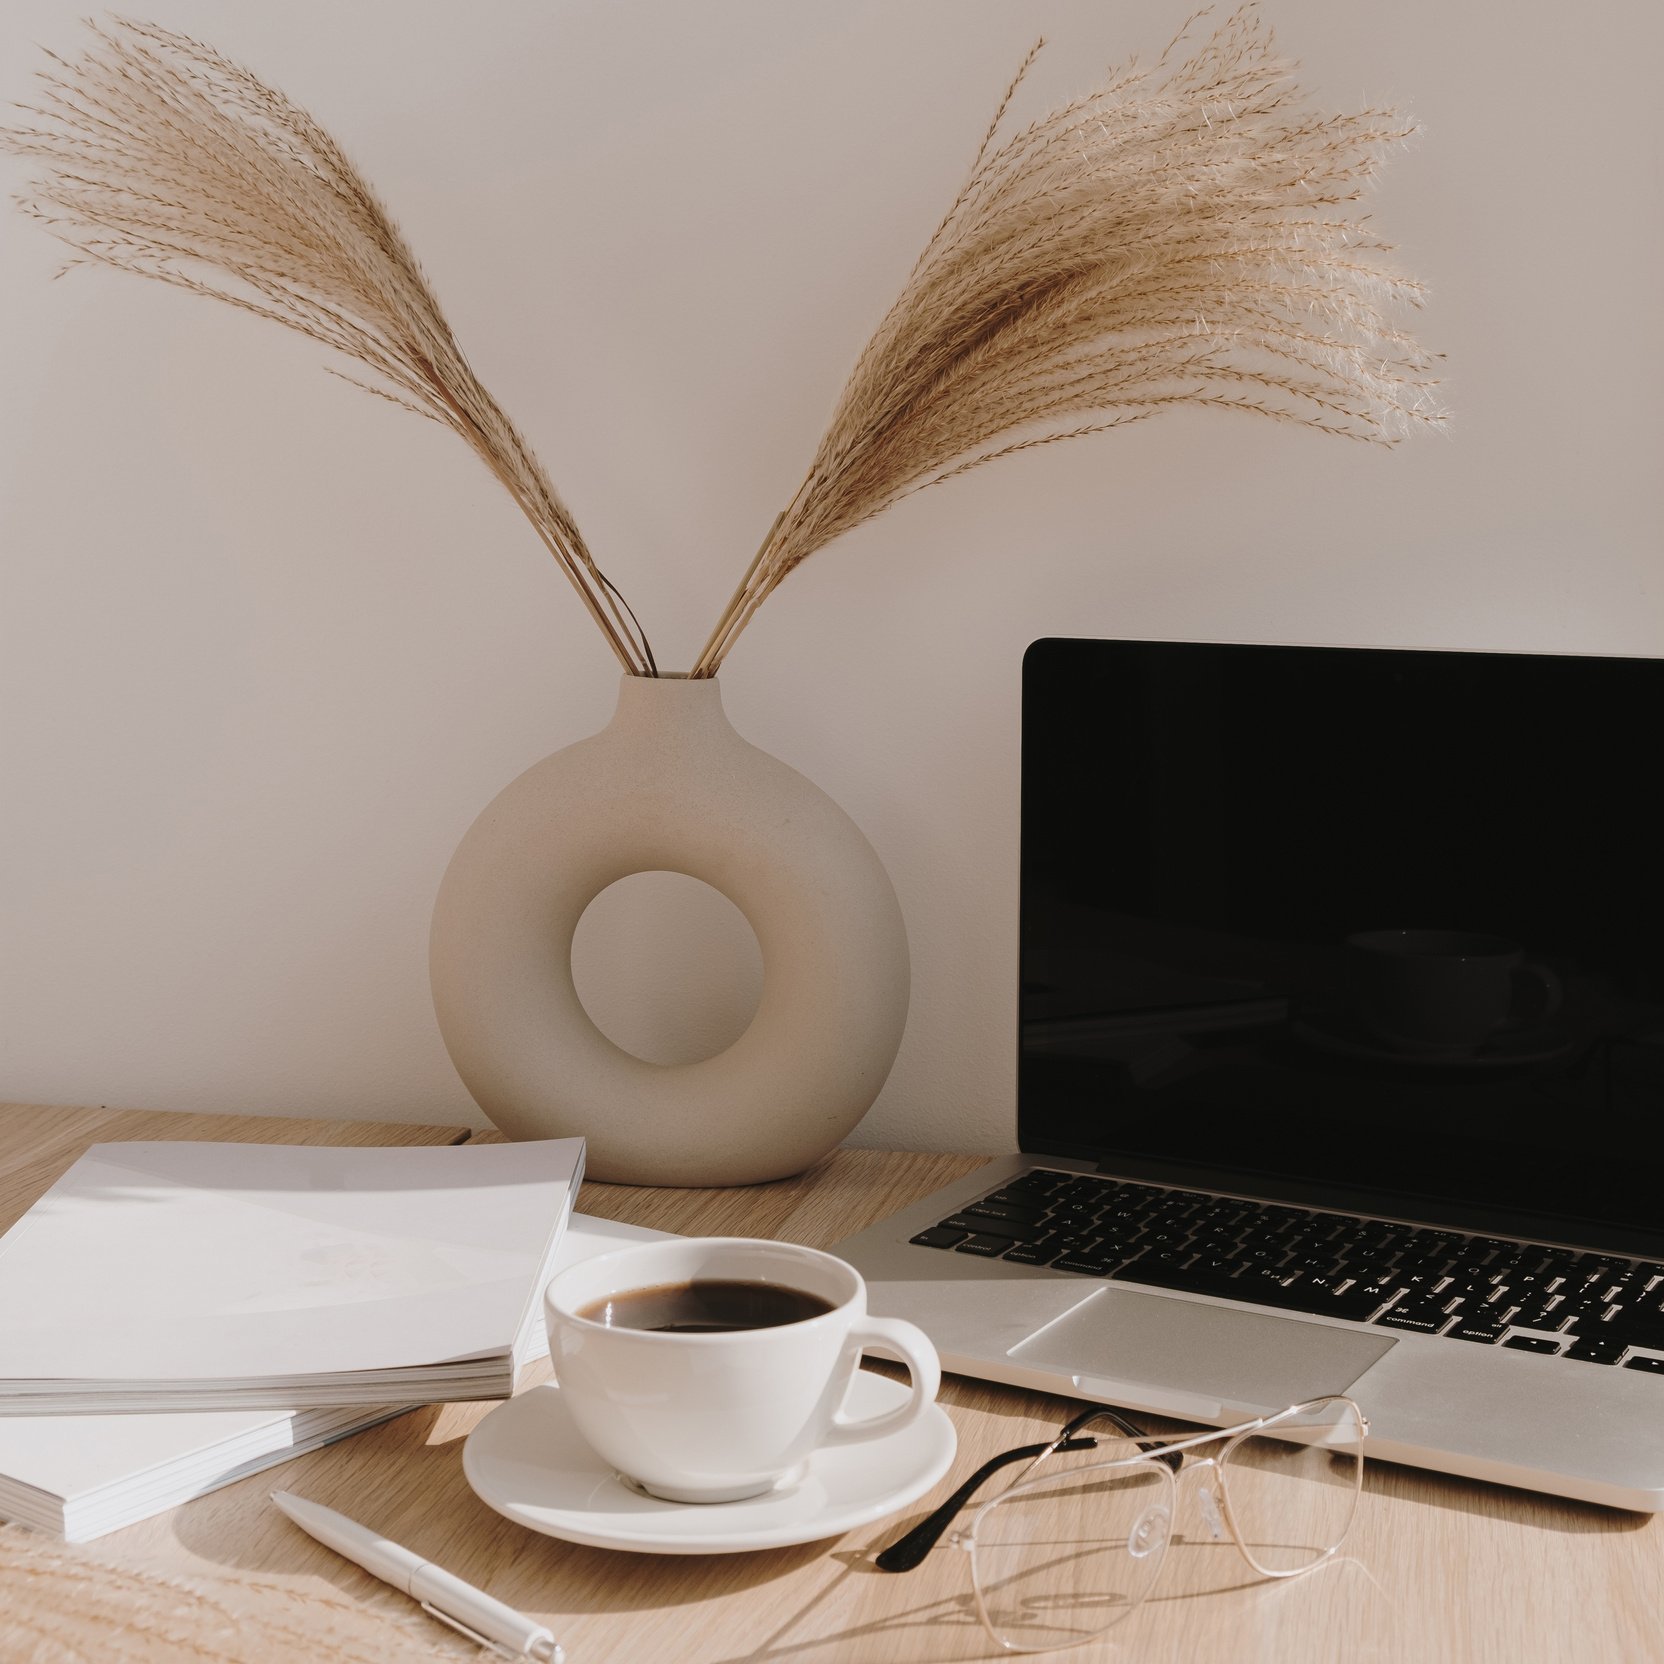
1098 1412
908 1550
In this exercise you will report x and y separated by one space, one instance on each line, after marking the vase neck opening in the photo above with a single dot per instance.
677 698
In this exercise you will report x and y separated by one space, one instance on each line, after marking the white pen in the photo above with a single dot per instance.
442 1596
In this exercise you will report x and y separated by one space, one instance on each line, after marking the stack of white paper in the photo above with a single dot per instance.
82 1476
181 1276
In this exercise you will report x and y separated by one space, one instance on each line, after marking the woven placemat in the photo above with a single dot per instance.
62 1605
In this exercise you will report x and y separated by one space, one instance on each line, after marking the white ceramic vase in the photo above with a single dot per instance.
668 785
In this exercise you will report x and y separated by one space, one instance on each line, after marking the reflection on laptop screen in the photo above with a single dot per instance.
1359 922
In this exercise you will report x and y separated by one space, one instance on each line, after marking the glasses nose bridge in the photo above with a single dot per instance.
1209 1490
1187 1464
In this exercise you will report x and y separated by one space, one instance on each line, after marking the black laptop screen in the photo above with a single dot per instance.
1371 926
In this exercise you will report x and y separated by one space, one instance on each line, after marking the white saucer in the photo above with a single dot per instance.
527 1461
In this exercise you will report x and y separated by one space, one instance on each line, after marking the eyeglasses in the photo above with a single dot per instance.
1077 1540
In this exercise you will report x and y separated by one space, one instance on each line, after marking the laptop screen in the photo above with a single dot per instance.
1359 927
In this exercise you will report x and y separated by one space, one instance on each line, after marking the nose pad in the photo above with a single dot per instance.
1211 1516
1149 1532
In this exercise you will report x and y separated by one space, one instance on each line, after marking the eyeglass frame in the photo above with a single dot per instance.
909 1550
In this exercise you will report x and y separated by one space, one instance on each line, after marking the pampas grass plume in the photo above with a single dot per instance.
1185 233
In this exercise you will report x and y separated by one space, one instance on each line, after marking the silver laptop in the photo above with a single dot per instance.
1340 1057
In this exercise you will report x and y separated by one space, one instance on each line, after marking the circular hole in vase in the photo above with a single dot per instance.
667 967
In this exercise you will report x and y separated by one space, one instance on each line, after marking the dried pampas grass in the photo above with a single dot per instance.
165 158
1186 234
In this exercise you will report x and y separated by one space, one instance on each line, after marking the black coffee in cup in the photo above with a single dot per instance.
705 1307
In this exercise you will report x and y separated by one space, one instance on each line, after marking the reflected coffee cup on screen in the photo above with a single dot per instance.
709 1369
1444 990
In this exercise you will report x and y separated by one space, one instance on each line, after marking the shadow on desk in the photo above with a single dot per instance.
405 1480
928 1626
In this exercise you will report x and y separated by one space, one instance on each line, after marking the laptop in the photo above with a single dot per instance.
1340 1035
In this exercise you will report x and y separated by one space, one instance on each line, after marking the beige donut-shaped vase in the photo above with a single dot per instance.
669 786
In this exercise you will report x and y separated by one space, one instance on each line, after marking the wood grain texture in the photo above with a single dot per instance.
1437 1569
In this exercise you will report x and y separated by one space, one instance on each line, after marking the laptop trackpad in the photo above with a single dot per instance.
1197 1360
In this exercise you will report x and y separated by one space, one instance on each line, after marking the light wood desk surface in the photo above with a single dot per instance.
1437 1568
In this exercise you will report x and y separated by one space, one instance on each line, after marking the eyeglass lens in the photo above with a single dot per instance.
1292 1489
1067 1554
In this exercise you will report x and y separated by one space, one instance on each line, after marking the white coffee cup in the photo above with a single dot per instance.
714 1417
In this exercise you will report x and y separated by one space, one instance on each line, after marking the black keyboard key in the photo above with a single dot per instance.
1216 1265
1090 1191
1365 1269
1171 1219
1620 1291
1018 1214
1026 1253
1416 1319
1421 1283
1169 1236
1072 1219
1088 1265
1476 1329
1526 1285
1276 1214
1173 1272
1579 1311
1010 1229
1596 1351
1639 1328
939 1236
1425 1303
1656 1365
1471 1272
1532 1343
1542 1313
1032 1188
1368 1297
1378 1237
987 1246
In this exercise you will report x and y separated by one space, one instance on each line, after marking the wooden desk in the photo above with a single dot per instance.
1437 1569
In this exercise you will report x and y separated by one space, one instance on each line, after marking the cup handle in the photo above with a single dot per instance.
1541 987
908 1344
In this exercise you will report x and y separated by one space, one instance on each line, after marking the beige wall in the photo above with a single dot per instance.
266 645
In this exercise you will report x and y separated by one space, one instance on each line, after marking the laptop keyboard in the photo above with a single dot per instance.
1490 1291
